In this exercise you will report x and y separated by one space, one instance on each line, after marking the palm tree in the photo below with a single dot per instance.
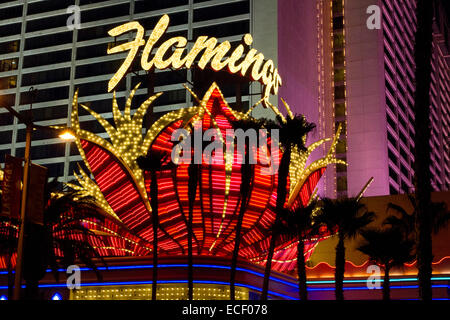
62 232
293 132
154 163
8 243
247 174
347 216
405 222
302 220
387 248
422 53
194 172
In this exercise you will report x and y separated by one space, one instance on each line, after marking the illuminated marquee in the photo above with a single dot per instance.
215 55
123 189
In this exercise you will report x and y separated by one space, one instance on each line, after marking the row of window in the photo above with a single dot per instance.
64 54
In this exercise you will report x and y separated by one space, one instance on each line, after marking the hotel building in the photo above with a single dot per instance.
366 83
335 71
39 51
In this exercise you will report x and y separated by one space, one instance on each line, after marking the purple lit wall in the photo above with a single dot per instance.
297 58
366 111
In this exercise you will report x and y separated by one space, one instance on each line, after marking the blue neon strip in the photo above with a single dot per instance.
245 270
365 288
223 283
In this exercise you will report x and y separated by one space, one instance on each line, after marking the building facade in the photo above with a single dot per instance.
38 50
369 88
335 70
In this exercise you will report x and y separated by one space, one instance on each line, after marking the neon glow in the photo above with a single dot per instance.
57 296
123 189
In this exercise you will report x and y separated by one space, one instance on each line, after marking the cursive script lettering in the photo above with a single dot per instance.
217 56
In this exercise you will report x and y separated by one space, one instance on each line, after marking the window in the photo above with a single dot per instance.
391 139
55 170
343 126
45 95
339 110
6 119
44 151
341 146
11 12
392 156
37 134
392 190
42 114
221 11
171 97
46 76
341 184
99 68
48 40
9 47
38 7
404 171
338 6
341 168
161 78
338 23
393 174
390 121
105 12
144 6
339 92
339 75
5 137
55 21
338 41
223 30
93 88
8 82
103 106
339 58
10 29
47 58
8 64
8 99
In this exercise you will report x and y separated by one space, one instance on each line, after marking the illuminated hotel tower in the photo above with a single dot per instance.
364 80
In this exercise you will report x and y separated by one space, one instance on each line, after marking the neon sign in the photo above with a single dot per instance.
215 55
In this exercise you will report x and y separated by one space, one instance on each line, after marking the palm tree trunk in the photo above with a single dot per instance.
283 172
301 270
192 190
32 289
340 268
155 222
423 50
237 243
386 283
265 289
246 170
9 266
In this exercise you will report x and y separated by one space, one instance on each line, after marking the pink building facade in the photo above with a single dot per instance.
338 71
